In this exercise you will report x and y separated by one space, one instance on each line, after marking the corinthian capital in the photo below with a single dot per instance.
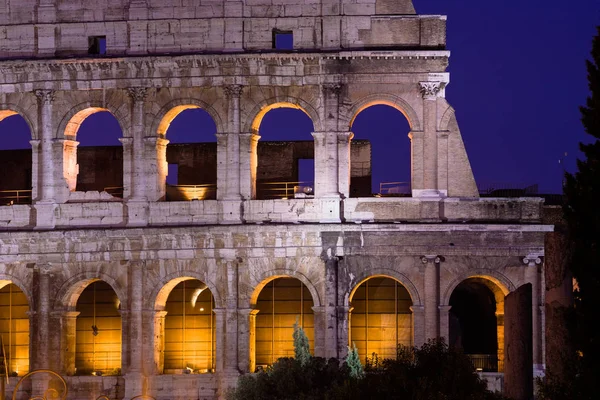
332 88
137 93
233 91
45 96
430 90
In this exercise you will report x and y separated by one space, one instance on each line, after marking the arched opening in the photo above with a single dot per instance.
191 154
93 154
280 304
98 335
380 318
285 153
189 329
14 328
476 323
16 157
381 164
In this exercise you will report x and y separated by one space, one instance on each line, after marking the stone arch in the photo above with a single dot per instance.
271 275
172 109
262 108
382 99
498 279
8 110
70 123
70 290
162 289
6 279
446 118
384 273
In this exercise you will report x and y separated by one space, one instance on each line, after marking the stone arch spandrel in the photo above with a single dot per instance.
461 182
162 288
169 111
445 118
369 273
260 109
497 278
349 115
22 282
69 291
250 289
27 109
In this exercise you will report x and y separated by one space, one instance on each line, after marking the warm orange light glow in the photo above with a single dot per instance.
378 103
76 121
261 114
163 127
14 327
5 114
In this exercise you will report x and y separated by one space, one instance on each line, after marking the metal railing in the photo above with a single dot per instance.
395 189
10 197
284 190
486 362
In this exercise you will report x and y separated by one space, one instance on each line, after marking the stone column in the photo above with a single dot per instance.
138 178
343 330
442 167
156 167
135 372
247 339
68 335
445 322
418 314
417 161
220 351
430 91
431 295
127 143
344 163
230 332
43 315
158 341
35 168
248 165
228 154
329 313
45 100
532 276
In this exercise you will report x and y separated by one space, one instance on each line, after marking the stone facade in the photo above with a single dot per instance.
163 57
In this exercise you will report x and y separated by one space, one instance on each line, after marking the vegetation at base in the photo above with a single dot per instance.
582 215
432 372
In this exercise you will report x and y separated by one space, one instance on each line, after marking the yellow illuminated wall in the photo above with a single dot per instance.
190 329
280 303
14 328
380 318
99 307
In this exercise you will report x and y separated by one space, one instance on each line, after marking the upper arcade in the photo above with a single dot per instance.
67 28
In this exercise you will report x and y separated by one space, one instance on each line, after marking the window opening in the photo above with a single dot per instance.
306 178
97 45
172 177
283 40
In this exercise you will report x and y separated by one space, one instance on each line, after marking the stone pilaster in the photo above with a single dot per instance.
431 290
155 156
445 322
247 339
248 164
228 152
127 143
138 177
418 314
35 168
68 338
417 161
344 164
532 275
158 359
430 92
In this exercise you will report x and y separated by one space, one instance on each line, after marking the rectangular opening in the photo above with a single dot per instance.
97 45
306 176
173 177
283 40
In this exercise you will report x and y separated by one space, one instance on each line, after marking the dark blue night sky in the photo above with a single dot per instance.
517 79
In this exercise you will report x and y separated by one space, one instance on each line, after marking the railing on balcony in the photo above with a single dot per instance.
206 191
486 362
395 189
285 190
10 197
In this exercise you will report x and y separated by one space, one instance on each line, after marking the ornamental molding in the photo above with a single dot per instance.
45 96
233 91
138 94
431 90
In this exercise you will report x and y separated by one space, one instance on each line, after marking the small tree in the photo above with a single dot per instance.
353 362
301 345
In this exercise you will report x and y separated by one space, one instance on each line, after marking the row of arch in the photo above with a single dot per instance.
380 318
197 165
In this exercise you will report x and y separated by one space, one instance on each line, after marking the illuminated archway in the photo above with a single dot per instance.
284 156
16 157
14 328
93 155
189 329
380 317
191 153
476 322
98 337
280 304
383 166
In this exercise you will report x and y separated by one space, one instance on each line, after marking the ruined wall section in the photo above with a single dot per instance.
65 28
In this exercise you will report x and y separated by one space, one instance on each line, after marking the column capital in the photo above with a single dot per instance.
233 91
431 90
417 309
247 311
42 268
435 259
137 94
45 96
334 88
155 141
251 136
531 260
64 314
445 309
